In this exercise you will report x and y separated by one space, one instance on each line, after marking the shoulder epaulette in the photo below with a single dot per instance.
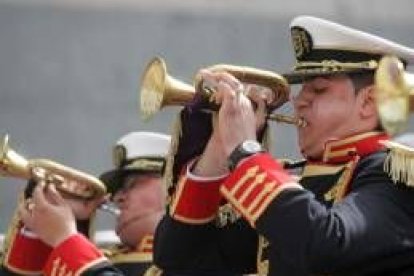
399 163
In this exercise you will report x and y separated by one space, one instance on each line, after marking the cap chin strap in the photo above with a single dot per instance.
334 66
146 164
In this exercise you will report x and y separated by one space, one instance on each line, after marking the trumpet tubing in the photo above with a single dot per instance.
159 89
67 180
11 163
275 82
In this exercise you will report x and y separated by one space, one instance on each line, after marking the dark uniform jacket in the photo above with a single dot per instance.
351 218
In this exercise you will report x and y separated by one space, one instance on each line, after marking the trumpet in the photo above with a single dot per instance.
159 89
394 94
67 180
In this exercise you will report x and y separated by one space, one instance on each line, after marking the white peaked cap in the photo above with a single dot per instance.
330 35
324 47
137 153
144 145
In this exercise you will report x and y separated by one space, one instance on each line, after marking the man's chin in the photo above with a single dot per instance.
118 231
121 227
302 148
125 223
311 154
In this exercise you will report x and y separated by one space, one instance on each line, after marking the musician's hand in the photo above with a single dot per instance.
83 208
237 120
213 161
261 97
49 216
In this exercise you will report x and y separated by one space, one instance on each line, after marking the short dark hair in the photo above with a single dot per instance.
361 80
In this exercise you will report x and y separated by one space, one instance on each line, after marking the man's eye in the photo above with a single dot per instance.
319 90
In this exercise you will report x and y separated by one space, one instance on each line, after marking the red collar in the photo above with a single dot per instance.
342 151
145 245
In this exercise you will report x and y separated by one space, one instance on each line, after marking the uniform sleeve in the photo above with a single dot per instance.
25 255
255 183
188 242
196 200
23 252
373 220
78 256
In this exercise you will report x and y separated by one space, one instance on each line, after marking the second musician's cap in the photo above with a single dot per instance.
137 153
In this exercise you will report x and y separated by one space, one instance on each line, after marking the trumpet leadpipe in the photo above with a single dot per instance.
287 119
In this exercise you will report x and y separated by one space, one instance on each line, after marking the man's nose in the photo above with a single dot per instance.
119 196
303 99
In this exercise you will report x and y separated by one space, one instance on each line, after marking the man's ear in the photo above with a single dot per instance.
366 98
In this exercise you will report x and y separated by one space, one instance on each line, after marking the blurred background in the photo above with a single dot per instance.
70 69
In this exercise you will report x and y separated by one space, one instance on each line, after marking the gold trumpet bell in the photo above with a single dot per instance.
159 89
394 94
11 163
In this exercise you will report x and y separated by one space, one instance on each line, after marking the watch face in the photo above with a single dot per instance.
252 146
245 149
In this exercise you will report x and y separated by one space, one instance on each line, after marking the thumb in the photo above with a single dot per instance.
261 113
38 197
229 96
53 195
95 203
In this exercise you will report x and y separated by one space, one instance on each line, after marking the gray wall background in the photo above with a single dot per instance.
69 71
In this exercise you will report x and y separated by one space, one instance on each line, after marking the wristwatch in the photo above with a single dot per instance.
245 149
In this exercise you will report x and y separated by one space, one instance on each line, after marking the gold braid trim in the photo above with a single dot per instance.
345 180
226 215
146 164
399 163
153 271
176 133
262 261
12 231
334 66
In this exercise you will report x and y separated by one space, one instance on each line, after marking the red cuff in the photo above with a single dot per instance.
73 256
27 255
196 202
254 184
